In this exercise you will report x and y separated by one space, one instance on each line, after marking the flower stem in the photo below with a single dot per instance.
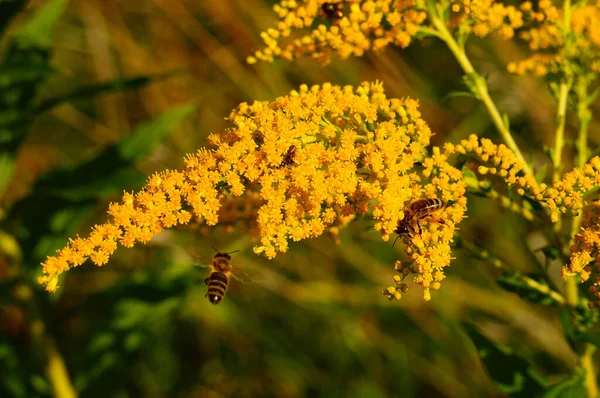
584 116
479 85
559 140
513 206
496 262
57 374
587 362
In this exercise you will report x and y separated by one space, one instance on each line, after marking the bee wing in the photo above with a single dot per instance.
199 260
246 275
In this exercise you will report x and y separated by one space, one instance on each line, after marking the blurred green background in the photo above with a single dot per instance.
97 94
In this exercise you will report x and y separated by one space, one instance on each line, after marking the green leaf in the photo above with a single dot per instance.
510 372
506 121
49 222
470 80
551 252
549 152
570 388
37 31
112 170
470 178
567 324
540 174
590 337
147 135
90 92
570 142
511 282
457 93
7 165
592 97
8 9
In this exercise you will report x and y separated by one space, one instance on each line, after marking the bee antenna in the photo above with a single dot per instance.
215 249
235 251
395 240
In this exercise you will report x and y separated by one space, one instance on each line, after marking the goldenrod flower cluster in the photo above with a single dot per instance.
557 48
485 16
429 253
497 160
371 25
357 153
567 193
585 250
364 26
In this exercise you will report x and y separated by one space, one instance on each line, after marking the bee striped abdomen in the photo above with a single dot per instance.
217 286
425 207
418 210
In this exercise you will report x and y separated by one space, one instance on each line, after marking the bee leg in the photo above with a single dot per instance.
206 280
419 225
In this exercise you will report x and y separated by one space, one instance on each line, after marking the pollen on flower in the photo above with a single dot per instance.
303 29
585 251
567 193
556 49
497 160
357 153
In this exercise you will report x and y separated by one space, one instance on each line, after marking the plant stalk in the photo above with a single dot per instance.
498 263
479 86
57 374
559 140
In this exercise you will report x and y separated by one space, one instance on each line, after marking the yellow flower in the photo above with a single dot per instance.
357 152
567 193
497 160
585 250
304 29
556 48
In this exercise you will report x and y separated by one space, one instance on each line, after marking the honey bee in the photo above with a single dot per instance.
333 11
414 213
221 273
288 159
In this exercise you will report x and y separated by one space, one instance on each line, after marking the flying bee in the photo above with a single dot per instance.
288 159
414 213
333 11
221 273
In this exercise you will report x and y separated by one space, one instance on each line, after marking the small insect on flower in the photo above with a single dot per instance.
414 213
288 159
333 11
221 273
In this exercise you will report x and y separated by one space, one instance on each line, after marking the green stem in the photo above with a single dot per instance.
55 367
496 262
587 362
361 138
57 374
584 116
559 140
479 85
309 139
507 203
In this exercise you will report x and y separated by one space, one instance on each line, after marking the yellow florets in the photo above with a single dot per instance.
372 25
567 193
365 26
556 47
485 16
497 160
585 249
356 153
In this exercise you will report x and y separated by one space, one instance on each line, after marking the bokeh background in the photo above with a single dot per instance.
172 71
